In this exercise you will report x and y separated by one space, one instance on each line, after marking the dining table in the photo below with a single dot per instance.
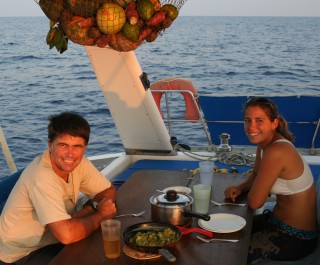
134 196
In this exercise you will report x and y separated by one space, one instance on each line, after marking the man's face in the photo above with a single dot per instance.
66 152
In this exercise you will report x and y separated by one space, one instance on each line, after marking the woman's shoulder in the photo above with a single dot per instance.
283 140
281 153
279 147
282 145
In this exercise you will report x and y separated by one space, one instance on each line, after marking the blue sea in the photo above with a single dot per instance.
238 55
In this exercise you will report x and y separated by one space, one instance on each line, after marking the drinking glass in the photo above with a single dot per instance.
111 238
206 172
202 195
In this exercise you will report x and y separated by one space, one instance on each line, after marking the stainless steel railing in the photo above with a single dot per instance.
171 122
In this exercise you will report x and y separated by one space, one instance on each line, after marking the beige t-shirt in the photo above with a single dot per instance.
41 197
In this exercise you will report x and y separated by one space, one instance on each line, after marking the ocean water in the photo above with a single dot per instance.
238 55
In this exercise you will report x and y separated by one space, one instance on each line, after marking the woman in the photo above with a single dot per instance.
289 232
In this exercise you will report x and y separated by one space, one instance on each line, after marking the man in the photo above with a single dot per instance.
39 216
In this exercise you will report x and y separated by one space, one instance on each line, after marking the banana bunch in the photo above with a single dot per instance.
56 38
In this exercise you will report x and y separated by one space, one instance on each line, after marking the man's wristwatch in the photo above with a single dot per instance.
92 204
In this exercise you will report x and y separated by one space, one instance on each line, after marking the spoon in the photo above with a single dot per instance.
131 214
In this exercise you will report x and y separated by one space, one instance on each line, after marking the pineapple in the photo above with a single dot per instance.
52 8
85 8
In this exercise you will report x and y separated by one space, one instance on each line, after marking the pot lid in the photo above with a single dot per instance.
171 197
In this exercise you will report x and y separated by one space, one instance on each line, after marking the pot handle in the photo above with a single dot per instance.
167 255
187 213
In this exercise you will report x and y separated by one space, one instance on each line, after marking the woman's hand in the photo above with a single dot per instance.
232 192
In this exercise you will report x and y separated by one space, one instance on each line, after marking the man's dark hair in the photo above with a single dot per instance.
68 123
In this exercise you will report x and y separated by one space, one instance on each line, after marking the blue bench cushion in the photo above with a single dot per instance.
146 164
6 185
224 114
166 165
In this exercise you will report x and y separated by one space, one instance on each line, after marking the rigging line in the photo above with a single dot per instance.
237 159
194 155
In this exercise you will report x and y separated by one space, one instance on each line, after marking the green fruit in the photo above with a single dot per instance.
170 10
131 31
145 9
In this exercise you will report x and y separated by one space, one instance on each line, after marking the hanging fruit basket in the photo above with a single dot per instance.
122 25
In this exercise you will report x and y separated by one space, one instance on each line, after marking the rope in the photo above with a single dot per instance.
239 159
228 158
193 155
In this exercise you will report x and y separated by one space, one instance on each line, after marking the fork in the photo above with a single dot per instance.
217 240
131 214
228 203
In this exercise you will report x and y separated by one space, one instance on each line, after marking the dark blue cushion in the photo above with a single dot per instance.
224 114
6 185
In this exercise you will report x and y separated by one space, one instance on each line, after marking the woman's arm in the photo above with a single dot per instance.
233 192
270 168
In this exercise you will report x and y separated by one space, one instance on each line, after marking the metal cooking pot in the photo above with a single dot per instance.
174 208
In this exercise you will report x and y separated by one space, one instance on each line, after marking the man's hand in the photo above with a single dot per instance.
107 209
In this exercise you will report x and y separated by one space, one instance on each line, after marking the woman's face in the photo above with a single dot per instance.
258 127
66 152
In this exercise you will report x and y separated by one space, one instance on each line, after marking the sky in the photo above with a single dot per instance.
199 8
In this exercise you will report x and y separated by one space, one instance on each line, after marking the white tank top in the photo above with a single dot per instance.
292 186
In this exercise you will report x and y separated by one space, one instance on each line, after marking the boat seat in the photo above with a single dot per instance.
224 114
6 185
312 259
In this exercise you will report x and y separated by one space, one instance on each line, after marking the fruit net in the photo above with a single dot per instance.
177 3
120 24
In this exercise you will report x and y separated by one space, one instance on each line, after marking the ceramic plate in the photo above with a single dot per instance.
223 223
179 189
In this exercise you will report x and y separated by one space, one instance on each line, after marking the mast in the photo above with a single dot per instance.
131 104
